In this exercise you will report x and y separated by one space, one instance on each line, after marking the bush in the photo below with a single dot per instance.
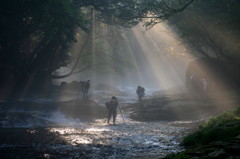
220 128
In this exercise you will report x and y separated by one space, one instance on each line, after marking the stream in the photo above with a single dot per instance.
52 134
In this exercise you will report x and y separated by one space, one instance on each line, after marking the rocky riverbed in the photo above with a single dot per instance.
95 140
73 128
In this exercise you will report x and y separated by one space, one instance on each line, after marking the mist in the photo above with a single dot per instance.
158 60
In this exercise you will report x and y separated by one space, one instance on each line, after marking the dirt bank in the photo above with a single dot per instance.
185 105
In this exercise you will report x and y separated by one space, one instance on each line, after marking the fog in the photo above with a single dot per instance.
158 60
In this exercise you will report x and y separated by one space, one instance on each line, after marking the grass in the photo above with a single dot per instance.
213 137
220 128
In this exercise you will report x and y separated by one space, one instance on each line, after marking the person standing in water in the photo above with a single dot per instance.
140 92
112 109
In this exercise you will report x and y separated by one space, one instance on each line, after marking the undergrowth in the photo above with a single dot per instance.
220 128
207 140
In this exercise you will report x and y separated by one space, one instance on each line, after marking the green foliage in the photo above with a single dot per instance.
211 29
35 35
128 13
220 128
221 119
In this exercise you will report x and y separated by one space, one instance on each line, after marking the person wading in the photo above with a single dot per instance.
112 109
85 89
140 92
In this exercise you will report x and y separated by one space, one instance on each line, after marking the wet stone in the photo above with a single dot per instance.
216 154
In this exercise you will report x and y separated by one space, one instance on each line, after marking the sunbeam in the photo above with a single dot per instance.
119 79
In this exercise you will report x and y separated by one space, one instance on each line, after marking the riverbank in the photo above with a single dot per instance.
218 137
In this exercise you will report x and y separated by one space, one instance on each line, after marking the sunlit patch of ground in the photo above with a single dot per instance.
134 139
97 140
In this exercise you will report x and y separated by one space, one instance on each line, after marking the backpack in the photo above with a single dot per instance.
142 90
113 104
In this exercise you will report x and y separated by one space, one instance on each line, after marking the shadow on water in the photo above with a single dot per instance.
42 143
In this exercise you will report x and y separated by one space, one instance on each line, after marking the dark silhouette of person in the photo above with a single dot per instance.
85 89
112 109
140 92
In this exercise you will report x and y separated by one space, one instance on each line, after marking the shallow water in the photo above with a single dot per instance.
94 140
97 140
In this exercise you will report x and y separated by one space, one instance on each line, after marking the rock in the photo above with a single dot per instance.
217 154
238 137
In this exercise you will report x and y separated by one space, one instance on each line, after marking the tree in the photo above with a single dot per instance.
35 35
211 30
128 13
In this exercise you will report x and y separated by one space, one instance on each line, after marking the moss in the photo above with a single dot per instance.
220 128
215 137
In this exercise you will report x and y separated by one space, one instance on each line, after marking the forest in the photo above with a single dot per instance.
184 52
36 36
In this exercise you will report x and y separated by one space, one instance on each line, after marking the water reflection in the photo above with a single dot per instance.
72 135
133 138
